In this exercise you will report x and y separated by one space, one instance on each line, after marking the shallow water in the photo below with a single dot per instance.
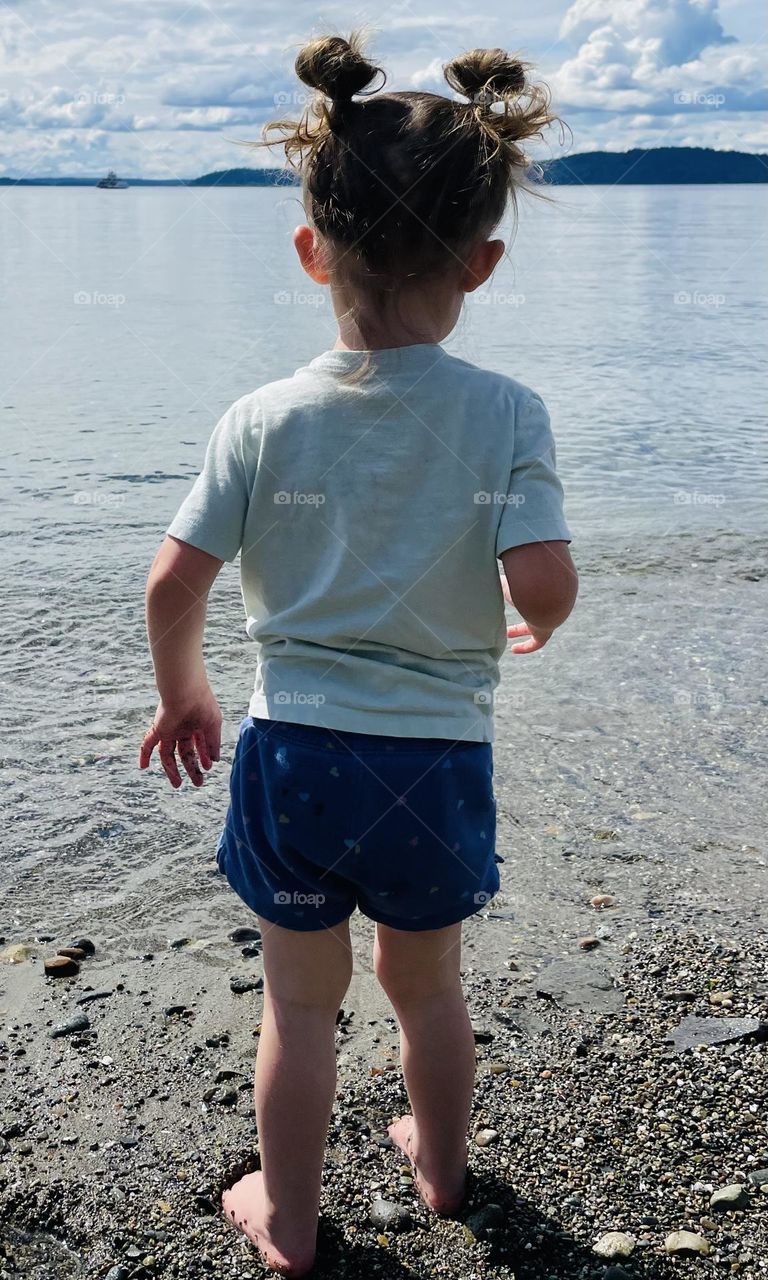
134 318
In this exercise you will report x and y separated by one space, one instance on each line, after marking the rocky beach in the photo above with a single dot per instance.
629 1142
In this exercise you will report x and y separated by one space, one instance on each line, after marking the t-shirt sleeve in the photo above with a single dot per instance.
533 510
212 516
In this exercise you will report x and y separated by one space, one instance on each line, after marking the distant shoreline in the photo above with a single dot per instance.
655 166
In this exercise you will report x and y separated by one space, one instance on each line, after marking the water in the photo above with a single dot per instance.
133 319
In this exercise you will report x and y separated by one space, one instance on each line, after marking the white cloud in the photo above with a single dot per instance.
657 57
158 90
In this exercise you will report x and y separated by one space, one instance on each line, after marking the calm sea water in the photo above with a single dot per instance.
132 319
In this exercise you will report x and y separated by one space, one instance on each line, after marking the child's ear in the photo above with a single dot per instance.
481 263
306 245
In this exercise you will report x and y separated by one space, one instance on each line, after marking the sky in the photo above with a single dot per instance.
166 89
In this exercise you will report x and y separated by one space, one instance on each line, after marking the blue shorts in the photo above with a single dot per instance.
321 822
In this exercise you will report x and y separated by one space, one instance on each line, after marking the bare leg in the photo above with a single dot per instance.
306 976
420 974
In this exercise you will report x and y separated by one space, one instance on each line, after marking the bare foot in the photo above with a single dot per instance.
243 1204
442 1195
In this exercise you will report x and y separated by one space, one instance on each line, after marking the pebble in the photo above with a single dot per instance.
734 1196
589 944
685 1242
484 1137
223 1097
61 967
117 1273
245 934
90 996
238 985
85 944
74 953
389 1216
615 1244
603 900
759 1177
80 1022
484 1220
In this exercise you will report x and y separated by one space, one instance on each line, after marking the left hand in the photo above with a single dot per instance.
538 638
194 726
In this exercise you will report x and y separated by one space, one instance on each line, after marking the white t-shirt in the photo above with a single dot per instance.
369 515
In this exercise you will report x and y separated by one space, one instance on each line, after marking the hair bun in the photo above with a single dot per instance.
336 67
486 75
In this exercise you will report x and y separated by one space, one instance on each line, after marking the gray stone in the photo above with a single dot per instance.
238 985
579 983
245 934
484 1220
759 1177
615 1244
694 1031
484 1137
386 1215
686 1242
734 1196
80 1022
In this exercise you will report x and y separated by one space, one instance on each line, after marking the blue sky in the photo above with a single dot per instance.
162 89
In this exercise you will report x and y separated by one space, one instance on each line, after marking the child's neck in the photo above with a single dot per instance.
426 323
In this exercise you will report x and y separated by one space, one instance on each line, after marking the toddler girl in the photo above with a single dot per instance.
370 497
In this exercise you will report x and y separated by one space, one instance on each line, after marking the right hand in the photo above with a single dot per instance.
193 727
538 638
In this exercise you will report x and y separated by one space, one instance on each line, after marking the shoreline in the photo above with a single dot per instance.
119 1138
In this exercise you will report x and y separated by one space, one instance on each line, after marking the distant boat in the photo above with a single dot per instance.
111 182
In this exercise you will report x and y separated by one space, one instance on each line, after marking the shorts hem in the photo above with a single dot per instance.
424 924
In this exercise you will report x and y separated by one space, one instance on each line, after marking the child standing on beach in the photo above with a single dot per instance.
370 496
